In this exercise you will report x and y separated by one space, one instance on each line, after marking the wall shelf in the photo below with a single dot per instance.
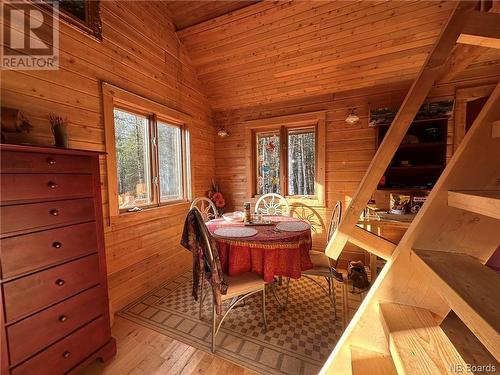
427 157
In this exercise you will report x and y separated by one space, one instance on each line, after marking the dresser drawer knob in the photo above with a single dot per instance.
60 282
51 161
57 245
52 184
66 354
63 318
54 212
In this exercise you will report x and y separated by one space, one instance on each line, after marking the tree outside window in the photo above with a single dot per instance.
286 161
149 160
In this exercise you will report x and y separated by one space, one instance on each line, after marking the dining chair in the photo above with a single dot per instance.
239 287
206 208
273 204
324 266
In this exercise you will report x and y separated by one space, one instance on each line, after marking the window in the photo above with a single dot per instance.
84 14
133 158
148 148
268 163
287 156
170 161
298 154
301 161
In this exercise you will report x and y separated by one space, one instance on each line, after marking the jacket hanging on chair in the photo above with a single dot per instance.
193 240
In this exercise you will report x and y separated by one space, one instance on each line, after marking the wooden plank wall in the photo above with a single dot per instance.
349 150
140 52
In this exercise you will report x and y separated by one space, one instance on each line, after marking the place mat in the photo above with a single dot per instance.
236 232
293 226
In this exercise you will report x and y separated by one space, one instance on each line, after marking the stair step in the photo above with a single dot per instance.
471 291
484 202
468 345
364 361
495 129
417 344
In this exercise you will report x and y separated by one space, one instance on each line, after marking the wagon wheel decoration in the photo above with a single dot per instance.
272 206
205 212
308 217
206 208
335 221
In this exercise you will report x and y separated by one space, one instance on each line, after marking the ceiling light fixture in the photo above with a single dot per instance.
352 118
223 132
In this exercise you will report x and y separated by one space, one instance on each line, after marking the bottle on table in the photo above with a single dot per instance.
247 213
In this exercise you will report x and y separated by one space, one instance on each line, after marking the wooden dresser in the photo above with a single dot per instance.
54 307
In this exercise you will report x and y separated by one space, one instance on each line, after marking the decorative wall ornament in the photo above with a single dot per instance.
59 127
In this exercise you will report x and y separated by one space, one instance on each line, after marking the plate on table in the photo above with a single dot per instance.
236 232
234 216
293 226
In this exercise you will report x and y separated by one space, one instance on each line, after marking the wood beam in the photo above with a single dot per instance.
495 129
462 56
481 41
431 71
481 29
372 243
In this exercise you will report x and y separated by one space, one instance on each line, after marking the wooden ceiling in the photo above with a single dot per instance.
188 13
276 51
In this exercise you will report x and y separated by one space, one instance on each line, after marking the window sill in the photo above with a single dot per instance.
151 213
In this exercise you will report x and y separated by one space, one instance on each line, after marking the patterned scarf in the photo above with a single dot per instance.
193 240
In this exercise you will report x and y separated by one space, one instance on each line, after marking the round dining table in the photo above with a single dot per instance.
269 252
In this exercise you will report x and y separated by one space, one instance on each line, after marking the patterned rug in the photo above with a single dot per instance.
298 340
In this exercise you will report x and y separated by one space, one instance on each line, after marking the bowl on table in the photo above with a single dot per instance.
234 216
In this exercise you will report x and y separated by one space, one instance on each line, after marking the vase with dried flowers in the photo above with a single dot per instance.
216 196
59 127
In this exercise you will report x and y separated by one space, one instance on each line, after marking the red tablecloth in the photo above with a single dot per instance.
268 253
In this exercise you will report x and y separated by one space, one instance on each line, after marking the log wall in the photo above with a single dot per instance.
141 53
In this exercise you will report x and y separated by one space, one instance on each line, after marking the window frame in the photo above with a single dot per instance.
316 120
91 26
117 98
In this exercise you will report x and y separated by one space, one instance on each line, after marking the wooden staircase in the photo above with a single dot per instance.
437 273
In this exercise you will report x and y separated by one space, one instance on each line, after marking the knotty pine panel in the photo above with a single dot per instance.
141 53
349 148
274 52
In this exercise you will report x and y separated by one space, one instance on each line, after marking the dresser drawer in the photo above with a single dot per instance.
69 352
32 162
33 292
29 252
39 215
19 187
31 335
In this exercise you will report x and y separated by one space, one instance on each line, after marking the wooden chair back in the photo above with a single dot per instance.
273 204
206 208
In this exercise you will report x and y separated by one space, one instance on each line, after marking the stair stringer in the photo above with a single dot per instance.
401 280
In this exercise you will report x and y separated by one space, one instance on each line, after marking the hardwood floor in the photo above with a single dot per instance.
144 351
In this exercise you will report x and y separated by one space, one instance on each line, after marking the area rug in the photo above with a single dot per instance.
298 340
